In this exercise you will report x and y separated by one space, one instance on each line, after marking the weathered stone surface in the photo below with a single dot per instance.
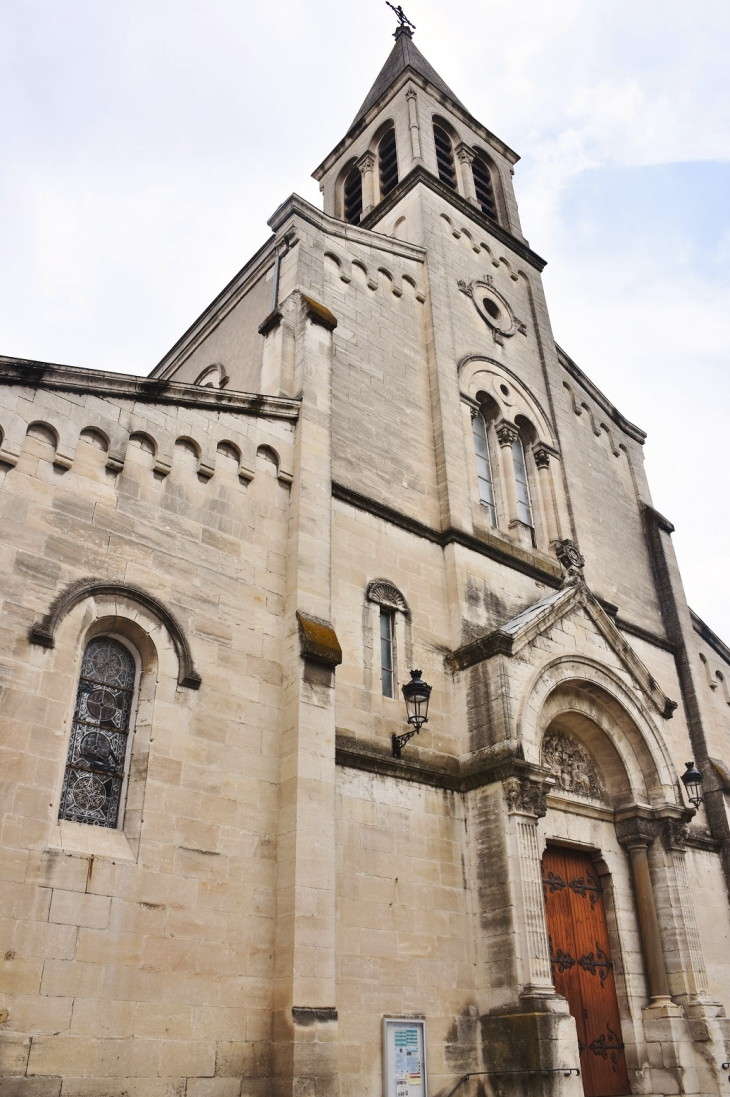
295 487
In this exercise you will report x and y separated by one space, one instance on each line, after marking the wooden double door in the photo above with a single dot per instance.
582 968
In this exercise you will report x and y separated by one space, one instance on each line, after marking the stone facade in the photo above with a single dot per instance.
300 468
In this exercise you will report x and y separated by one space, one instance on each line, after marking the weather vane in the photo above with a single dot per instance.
403 20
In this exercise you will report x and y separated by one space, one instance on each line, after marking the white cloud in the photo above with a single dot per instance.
146 143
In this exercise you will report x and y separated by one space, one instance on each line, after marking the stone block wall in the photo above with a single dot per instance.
139 960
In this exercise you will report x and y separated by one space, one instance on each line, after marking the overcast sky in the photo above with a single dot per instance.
146 142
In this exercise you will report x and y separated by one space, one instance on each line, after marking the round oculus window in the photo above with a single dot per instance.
492 309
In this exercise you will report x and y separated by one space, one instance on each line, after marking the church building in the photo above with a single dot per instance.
357 739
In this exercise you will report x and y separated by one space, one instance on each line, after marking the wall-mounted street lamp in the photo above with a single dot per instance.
692 780
415 694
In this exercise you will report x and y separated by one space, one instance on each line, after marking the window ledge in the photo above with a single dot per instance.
90 841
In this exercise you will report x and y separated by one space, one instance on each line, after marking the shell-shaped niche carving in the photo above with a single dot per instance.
572 766
386 594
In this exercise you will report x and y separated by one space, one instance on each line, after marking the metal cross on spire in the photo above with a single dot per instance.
404 22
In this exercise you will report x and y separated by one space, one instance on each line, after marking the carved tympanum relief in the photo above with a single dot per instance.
572 766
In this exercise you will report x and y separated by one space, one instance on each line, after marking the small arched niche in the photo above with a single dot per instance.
212 377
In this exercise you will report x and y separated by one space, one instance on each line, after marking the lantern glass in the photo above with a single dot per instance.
692 781
416 694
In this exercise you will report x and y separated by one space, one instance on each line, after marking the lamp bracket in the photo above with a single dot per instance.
399 741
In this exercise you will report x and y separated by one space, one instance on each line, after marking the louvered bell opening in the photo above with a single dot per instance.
387 163
445 157
353 197
483 187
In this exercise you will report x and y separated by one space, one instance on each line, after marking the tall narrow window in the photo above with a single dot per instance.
387 163
524 508
97 755
445 157
484 468
387 675
353 196
483 186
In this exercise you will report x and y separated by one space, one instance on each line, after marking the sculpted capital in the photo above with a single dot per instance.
637 832
525 797
542 457
507 433
465 154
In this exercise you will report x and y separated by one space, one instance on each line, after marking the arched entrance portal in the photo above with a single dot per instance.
582 968
601 763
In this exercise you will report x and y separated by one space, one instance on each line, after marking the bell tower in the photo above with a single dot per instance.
411 123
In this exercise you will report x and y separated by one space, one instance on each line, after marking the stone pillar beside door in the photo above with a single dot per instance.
533 1029
709 1028
671 1065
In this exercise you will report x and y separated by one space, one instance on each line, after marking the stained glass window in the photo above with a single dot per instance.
97 753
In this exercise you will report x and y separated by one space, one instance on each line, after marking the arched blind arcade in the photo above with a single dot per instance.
387 163
445 157
97 753
483 186
353 196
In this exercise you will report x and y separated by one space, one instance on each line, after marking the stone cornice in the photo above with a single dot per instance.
419 174
644 634
657 518
296 206
536 565
703 630
152 390
512 637
595 393
439 771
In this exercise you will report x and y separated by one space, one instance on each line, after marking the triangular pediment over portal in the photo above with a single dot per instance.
532 626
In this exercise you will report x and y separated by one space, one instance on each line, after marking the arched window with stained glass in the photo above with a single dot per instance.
98 754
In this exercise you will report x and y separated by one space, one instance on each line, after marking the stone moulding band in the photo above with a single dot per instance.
455 776
544 568
420 174
44 631
150 390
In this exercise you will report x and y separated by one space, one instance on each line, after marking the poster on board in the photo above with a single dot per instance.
404 1057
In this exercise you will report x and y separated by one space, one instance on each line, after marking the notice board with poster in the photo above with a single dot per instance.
404 1057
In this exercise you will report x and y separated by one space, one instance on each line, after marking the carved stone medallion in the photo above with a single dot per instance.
572 766
493 308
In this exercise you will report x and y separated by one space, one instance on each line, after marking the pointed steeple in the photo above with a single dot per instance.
404 55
